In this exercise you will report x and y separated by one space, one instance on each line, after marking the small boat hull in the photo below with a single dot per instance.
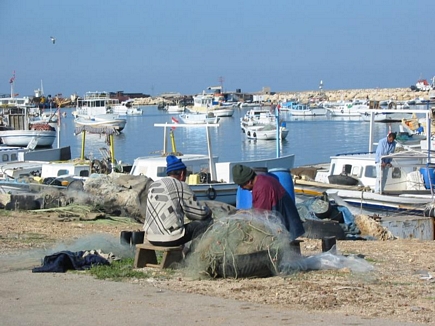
44 138
97 122
261 134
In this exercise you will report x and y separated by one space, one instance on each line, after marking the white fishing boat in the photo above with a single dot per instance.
265 132
347 108
198 118
104 120
18 162
257 117
203 103
174 108
39 138
208 178
299 109
12 100
385 115
95 103
353 177
223 111
127 108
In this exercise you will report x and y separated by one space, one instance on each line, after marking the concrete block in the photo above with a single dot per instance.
410 227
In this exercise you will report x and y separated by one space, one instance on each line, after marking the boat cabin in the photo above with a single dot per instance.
406 173
80 169
154 167
95 103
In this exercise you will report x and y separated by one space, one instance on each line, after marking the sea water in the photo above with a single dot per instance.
311 139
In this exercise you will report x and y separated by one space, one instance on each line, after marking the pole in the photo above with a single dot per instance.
278 138
82 154
210 154
58 127
165 140
112 151
371 135
174 147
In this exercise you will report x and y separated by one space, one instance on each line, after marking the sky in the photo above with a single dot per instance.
155 47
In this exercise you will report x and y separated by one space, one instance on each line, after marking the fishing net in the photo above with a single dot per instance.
249 243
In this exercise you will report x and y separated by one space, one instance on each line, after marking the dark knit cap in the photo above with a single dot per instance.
242 174
173 164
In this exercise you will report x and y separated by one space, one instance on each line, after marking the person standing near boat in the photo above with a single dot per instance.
169 201
386 146
269 194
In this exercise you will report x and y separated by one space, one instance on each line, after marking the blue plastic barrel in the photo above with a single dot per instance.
285 178
243 199
428 177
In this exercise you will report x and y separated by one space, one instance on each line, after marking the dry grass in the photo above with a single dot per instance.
394 290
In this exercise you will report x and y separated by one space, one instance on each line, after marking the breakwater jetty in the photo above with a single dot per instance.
377 94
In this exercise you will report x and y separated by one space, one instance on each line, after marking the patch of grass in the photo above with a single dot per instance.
371 260
118 270
123 269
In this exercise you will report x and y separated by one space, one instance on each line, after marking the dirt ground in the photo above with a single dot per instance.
400 287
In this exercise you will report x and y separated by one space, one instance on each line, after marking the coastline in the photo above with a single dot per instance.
377 94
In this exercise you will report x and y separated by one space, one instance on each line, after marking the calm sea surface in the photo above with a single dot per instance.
311 139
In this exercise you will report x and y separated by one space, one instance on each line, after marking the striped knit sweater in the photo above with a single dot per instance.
169 201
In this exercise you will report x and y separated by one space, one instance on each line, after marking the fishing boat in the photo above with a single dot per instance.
40 138
177 108
265 132
126 108
346 108
103 120
198 118
94 103
223 111
409 183
257 117
300 109
208 178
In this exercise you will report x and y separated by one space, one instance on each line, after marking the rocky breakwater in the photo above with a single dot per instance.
377 94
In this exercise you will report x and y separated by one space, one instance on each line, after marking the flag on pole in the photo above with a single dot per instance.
174 121
13 78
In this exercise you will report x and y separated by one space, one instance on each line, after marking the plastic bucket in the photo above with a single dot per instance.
285 178
428 177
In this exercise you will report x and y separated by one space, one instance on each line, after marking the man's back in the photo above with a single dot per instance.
168 201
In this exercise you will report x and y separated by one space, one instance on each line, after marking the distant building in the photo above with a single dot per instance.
120 95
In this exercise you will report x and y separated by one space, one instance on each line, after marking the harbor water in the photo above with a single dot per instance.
311 139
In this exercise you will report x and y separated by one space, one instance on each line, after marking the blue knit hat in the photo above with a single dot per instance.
173 164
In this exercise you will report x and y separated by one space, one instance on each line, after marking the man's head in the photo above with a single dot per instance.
391 137
175 167
243 176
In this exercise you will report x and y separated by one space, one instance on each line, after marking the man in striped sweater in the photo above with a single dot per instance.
169 201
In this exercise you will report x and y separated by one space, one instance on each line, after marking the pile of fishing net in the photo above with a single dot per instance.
246 244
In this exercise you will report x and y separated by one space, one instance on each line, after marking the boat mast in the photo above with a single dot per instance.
12 82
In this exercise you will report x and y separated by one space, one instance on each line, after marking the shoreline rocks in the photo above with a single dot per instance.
377 94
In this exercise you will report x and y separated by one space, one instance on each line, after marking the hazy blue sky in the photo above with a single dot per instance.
185 46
